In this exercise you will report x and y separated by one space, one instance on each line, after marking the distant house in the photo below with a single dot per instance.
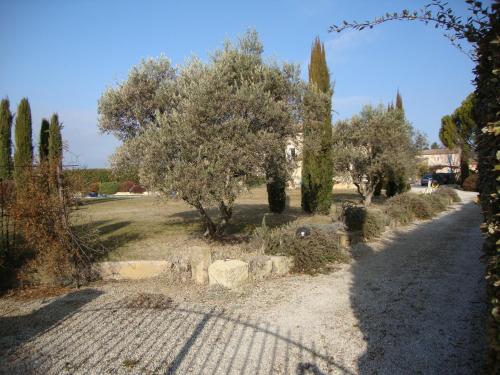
441 160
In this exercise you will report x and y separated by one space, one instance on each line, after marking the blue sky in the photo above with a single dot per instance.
63 54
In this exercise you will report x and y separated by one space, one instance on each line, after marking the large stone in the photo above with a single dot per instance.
228 273
132 270
201 258
281 264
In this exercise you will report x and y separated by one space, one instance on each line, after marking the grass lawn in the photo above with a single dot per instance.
151 228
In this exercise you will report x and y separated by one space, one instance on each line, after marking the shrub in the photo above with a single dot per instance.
438 202
470 183
311 254
108 187
400 214
354 217
137 189
126 186
374 224
421 206
448 192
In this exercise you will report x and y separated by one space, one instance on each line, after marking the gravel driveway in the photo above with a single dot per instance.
411 303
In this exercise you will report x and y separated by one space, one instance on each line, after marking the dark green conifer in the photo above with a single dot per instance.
5 140
43 147
23 155
317 167
55 140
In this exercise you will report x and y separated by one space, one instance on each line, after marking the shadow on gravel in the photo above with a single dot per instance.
420 300
16 330
118 338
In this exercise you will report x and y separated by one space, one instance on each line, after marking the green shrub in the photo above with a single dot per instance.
374 224
400 214
448 192
354 217
438 202
108 188
421 206
311 254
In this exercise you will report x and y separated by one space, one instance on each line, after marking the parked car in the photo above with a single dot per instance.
424 181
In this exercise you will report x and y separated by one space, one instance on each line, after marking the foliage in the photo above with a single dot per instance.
434 146
89 179
108 188
133 105
317 168
55 140
371 143
450 193
370 222
125 186
23 155
43 146
311 254
276 195
5 140
470 183
231 120
61 255
374 224
137 189
354 217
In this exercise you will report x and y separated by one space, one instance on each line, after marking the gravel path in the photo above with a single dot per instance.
411 303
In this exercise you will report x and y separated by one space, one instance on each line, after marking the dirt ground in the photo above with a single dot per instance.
412 303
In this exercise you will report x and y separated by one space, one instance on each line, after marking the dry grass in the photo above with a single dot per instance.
151 228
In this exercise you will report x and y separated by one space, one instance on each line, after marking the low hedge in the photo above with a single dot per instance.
311 254
108 188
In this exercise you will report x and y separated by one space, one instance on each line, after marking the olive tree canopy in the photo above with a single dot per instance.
220 123
369 144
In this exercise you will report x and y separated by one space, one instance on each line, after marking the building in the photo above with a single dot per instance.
441 160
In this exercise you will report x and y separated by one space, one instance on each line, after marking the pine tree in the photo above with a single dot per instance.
5 140
23 155
43 147
317 168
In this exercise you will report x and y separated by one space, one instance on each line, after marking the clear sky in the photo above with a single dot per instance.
63 54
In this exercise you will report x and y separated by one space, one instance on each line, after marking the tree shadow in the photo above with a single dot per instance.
419 298
109 240
17 330
173 339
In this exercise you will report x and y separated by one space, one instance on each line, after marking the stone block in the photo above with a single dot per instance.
228 273
201 258
132 270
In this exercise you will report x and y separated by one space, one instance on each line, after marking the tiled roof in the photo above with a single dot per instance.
438 151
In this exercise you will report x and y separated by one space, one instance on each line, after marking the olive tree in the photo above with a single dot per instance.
371 143
228 121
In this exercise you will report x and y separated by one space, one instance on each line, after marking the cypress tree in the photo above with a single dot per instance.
399 101
5 140
317 167
55 140
23 155
43 147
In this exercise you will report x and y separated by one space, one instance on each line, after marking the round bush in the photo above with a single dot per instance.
374 224
125 186
354 217
137 189
470 183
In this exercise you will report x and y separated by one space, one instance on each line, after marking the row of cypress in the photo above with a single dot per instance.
50 145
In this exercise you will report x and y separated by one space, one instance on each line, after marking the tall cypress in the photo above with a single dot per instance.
23 155
43 146
5 140
317 167
399 101
55 146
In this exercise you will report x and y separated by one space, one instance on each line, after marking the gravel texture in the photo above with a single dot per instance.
411 303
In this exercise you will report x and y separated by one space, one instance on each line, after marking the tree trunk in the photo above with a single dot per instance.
211 228
225 212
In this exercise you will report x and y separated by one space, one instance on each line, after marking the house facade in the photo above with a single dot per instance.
441 160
